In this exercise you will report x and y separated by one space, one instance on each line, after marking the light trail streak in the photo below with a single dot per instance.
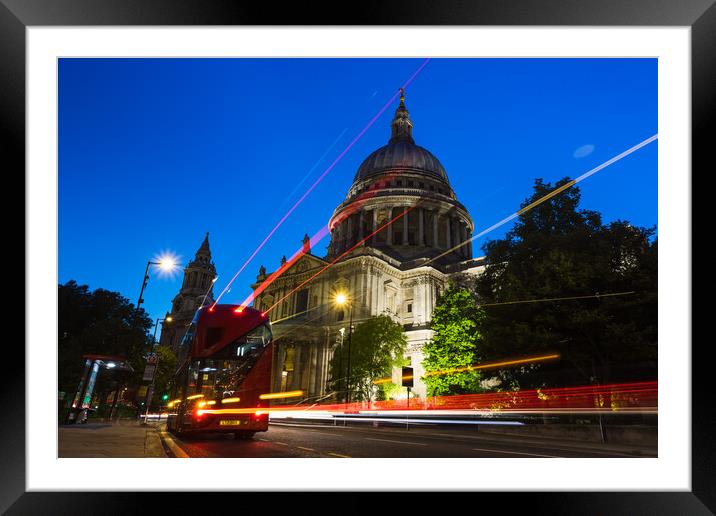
402 214
558 299
402 420
293 330
624 398
297 314
278 272
279 395
549 196
320 178
476 367
314 167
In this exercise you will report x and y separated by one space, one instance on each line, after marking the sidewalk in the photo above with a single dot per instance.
118 439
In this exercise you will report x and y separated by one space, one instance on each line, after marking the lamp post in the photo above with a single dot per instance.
342 300
150 390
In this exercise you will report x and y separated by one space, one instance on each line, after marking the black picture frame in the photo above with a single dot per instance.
699 15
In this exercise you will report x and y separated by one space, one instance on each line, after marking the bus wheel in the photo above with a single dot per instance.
243 435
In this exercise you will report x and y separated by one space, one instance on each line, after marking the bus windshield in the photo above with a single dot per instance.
221 375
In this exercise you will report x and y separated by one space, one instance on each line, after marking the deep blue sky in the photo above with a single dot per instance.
153 153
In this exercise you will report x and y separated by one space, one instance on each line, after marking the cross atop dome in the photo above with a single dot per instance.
401 126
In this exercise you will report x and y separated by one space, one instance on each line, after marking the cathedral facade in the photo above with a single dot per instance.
393 241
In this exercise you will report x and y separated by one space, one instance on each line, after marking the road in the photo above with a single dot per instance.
309 441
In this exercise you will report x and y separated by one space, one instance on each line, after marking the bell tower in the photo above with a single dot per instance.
196 291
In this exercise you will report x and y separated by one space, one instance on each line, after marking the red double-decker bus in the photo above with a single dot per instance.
224 366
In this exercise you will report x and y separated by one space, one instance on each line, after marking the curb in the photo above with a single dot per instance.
173 450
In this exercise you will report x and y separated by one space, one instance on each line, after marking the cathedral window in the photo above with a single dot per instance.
409 308
340 315
400 183
302 301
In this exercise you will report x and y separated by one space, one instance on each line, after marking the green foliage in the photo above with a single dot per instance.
454 345
556 250
166 366
377 345
388 390
99 322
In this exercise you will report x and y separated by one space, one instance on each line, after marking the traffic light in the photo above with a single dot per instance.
165 397
407 376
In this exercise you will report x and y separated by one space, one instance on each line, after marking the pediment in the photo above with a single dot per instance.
305 263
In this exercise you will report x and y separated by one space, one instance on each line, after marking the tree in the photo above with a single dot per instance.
99 322
556 250
377 345
166 367
454 345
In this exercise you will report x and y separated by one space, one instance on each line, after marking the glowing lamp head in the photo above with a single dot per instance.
110 365
167 264
341 299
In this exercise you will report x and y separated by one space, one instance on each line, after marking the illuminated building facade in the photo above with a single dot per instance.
400 270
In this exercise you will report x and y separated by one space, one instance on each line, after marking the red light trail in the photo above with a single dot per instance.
636 397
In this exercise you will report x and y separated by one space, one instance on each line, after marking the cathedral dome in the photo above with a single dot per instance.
401 155
401 204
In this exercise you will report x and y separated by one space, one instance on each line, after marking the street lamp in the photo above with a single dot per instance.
168 318
166 264
342 300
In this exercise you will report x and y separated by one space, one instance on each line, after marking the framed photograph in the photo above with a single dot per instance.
294 184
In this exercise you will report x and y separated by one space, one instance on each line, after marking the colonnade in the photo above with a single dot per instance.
419 226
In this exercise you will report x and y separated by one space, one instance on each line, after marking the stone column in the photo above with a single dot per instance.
278 366
375 290
374 238
464 239
421 231
448 240
405 226
314 370
389 229
435 230
349 228
297 368
360 225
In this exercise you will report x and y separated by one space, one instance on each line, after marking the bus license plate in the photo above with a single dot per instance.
231 422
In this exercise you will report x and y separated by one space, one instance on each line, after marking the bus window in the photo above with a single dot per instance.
222 375
185 346
193 379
